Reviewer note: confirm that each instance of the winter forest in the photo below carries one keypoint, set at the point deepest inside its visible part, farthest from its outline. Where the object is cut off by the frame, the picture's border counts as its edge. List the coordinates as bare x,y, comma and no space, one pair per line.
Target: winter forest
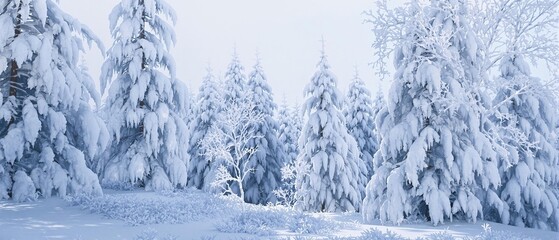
463,145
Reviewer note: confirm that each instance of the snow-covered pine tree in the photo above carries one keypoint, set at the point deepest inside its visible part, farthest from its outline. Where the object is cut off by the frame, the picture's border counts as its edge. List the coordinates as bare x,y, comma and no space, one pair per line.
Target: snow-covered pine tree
146,104
191,111
290,125
358,112
207,110
379,115
235,84
269,157
48,132
530,173
329,168
289,131
434,156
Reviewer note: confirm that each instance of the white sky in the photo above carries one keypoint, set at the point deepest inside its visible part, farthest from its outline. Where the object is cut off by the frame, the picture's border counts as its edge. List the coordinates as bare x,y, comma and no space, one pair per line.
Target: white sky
286,33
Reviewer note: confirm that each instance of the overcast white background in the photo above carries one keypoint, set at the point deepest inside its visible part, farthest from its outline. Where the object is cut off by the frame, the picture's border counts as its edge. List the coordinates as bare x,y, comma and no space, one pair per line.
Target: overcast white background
286,33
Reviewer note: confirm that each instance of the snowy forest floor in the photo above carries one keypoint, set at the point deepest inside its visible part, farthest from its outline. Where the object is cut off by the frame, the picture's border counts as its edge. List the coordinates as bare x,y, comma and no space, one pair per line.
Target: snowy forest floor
195,215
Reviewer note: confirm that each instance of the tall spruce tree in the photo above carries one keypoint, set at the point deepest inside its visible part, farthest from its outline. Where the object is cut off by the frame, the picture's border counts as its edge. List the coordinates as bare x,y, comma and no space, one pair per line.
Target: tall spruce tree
436,162
530,173
235,84
207,111
48,131
146,104
378,117
269,156
329,168
290,125
358,112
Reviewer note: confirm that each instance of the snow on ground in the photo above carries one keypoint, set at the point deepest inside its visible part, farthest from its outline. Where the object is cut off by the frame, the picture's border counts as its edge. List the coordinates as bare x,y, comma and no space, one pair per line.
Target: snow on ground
196,215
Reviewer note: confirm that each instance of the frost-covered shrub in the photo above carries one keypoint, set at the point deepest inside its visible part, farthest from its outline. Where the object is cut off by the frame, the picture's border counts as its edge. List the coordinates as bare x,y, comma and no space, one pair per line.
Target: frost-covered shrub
375,234
441,236
249,222
303,223
256,220
263,221
152,234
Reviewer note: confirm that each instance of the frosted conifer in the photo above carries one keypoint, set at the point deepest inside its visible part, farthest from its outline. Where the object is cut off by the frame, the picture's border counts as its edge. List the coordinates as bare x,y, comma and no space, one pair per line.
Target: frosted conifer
530,173
358,112
146,104
206,112
269,156
48,131
329,167
435,160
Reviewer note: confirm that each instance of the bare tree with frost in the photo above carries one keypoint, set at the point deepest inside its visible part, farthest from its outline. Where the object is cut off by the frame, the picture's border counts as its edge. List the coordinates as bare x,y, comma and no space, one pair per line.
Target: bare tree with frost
227,145
48,131
146,104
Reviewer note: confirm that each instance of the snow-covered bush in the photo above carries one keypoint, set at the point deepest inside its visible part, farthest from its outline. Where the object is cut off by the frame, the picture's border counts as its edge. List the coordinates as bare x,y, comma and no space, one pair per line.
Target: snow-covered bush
329,172
250,222
152,234
303,223
48,131
264,221
146,104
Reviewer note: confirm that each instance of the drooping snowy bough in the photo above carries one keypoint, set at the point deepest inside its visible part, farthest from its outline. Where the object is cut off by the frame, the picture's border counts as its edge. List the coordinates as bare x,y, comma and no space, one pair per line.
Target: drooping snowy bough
48,131
146,104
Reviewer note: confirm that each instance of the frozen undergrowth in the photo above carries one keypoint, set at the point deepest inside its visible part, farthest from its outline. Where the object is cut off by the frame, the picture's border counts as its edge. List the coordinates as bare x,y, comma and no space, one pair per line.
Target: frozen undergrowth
162,208
187,206
487,234
231,216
